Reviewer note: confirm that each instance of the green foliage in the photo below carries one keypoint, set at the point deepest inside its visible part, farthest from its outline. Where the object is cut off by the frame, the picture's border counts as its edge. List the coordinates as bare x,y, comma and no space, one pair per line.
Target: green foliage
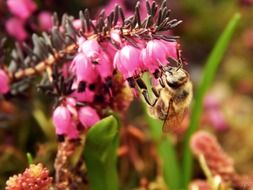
29,158
207,77
100,154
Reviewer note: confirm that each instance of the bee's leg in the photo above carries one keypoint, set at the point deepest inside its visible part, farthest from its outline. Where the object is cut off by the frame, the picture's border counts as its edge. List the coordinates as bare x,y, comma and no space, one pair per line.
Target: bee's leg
161,82
144,91
155,92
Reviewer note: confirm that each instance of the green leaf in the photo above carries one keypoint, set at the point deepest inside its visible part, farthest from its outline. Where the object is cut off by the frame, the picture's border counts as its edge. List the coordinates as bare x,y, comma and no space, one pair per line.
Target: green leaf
167,153
170,164
44,122
100,154
207,77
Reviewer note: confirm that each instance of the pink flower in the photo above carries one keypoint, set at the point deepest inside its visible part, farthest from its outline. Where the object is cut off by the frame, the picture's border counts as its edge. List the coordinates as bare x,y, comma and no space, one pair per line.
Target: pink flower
83,68
72,131
61,120
115,36
90,48
109,49
127,61
21,8
86,96
104,65
45,20
96,55
15,28
214,113
156,53
88,116
4,82
217,120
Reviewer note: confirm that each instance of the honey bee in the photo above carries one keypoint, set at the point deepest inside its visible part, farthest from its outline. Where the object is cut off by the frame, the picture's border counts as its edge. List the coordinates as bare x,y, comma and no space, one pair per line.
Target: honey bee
173,96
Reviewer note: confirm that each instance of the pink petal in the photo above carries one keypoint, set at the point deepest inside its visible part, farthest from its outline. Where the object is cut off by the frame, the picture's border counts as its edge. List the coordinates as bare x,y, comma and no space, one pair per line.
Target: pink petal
72,131
4,82
88,116
128,61
83,68
61,119
21,8
15,28
45,20
104,66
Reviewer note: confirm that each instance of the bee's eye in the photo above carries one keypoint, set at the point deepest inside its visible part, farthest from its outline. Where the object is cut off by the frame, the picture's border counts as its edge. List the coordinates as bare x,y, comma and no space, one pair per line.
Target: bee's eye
174,84
181,78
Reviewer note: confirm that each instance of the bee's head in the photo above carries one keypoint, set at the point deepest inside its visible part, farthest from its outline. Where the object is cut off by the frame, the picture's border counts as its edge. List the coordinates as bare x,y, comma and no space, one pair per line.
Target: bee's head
175,77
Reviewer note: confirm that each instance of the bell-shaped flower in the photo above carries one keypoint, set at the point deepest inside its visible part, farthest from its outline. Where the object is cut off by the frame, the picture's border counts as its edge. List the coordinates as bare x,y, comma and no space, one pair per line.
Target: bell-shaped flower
157,52
72,131
83,68
45,20
104,65
96,56
4,82
128,61
88,116
91,49
62,120
15,28
22,8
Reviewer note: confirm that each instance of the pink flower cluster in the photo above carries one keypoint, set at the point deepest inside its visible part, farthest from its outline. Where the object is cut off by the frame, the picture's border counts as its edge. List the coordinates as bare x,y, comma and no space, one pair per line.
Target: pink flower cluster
96,58
95,62
67,118
22,10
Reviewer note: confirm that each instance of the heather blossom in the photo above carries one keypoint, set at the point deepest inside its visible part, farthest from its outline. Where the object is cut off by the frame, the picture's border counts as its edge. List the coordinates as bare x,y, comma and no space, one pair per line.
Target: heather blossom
83,92
83,68
21,8
16,28
67,117
100,60
128,61
23,19
62,120
156,53
45,20
4,82
88,116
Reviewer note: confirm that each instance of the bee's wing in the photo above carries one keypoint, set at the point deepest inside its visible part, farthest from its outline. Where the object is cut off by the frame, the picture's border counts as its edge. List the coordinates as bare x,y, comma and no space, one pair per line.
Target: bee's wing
173,118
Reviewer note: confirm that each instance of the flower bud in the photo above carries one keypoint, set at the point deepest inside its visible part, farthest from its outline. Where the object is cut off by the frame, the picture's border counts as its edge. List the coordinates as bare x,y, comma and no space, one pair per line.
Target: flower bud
61,120
157,51
4,82
127,61
15,28
45,20
21,8
88,116
83,68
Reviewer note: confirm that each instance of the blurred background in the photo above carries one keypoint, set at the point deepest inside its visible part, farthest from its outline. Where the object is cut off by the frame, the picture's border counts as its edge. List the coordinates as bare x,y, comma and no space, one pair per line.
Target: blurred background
25,126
